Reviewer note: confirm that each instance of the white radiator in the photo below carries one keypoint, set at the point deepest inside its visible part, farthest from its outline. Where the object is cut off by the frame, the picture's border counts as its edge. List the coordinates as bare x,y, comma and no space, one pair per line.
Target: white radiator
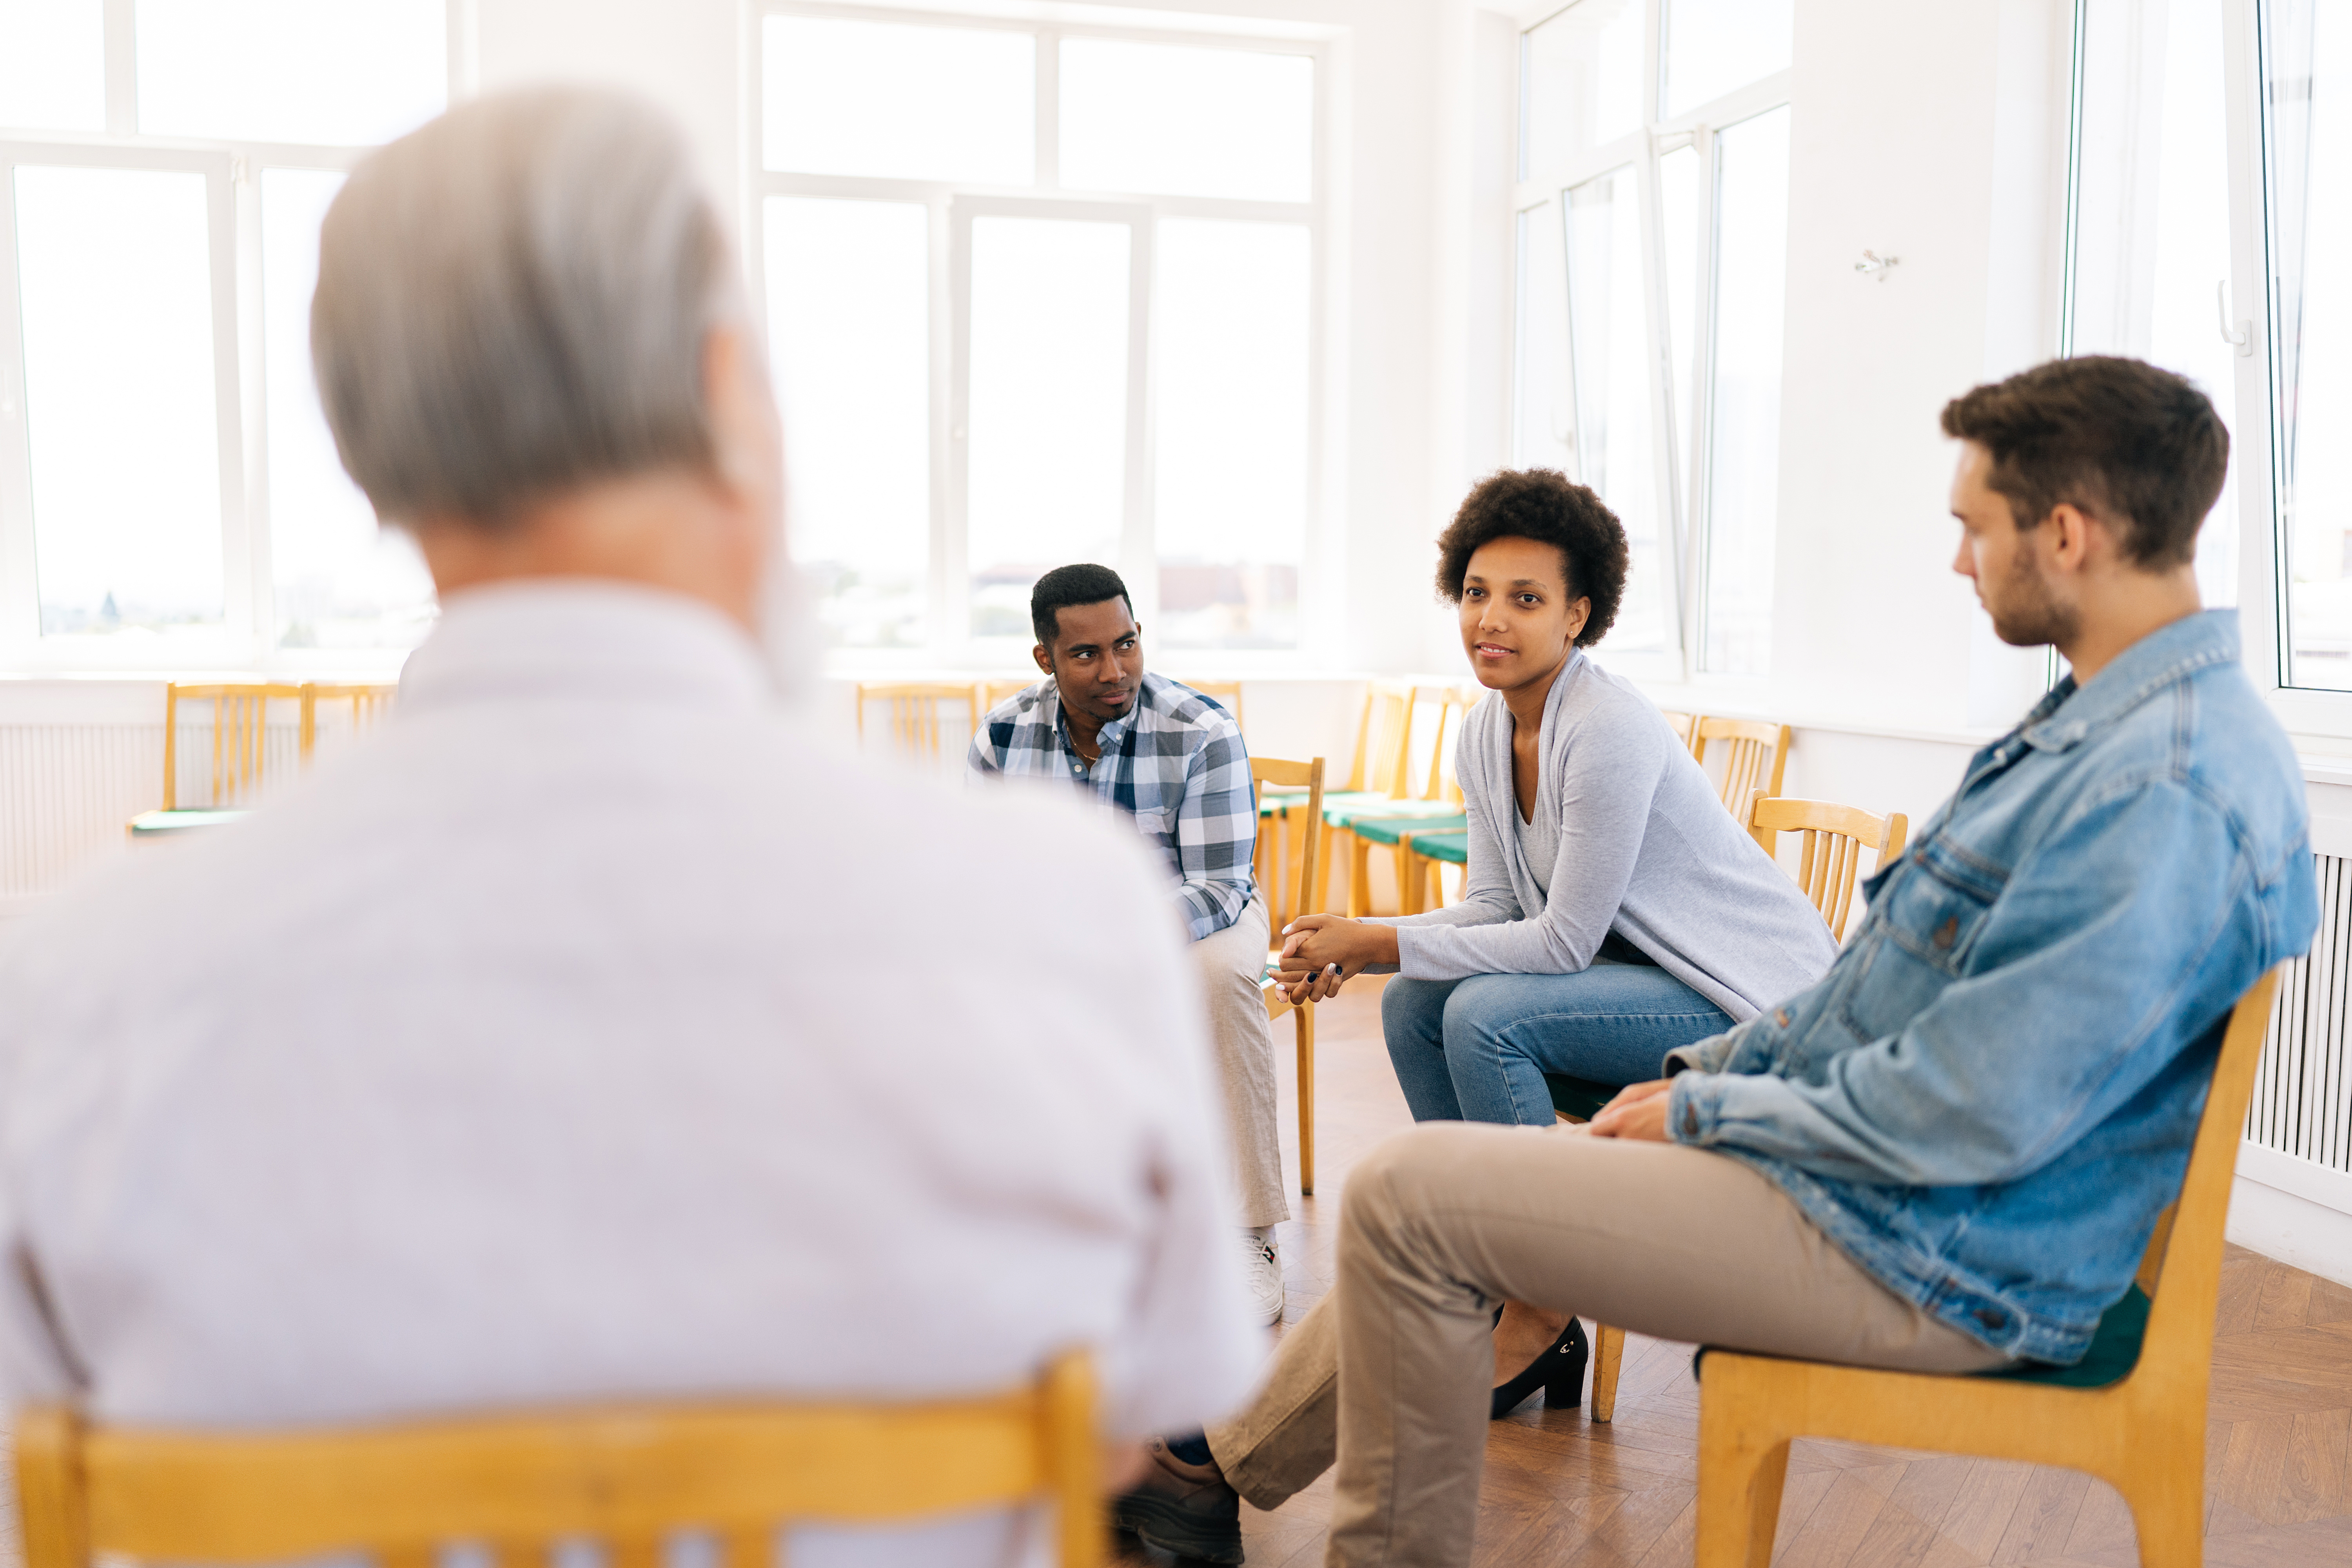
2301,1106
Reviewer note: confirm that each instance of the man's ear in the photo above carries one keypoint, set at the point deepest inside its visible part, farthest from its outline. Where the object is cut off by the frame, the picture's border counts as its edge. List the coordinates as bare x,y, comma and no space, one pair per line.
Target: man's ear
1044,662
2070,529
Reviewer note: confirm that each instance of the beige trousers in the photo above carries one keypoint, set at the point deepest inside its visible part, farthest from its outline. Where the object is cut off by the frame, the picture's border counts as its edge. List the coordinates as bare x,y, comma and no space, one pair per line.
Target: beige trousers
1232,963
1441,1222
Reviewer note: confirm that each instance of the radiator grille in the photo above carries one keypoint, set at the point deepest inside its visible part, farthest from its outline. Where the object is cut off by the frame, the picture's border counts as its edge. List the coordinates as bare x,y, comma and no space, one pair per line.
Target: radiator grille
2303,1091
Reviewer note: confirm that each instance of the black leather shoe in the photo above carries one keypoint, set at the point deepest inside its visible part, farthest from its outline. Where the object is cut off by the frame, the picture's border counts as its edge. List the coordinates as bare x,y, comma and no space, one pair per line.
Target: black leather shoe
1559,1372
1188,1510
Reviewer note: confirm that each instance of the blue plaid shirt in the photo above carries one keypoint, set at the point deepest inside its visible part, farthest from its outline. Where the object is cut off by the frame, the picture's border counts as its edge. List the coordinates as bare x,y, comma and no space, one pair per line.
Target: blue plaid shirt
1176,765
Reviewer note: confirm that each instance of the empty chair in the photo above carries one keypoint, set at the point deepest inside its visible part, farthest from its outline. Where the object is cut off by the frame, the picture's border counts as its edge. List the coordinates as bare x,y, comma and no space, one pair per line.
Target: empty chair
918,711
240,751
1684,725
1831,852
1756,753
367,700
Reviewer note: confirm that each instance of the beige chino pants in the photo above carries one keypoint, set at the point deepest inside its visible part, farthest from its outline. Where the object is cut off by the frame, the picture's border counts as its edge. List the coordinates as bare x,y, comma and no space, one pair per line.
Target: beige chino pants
1231,961
1441,1222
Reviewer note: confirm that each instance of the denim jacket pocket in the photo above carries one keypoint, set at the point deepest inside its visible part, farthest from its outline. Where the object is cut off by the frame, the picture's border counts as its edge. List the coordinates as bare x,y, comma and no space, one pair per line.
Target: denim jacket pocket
1930,914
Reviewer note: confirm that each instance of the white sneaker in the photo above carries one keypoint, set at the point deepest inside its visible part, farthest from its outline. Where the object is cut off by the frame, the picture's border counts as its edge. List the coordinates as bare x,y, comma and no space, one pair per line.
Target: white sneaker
1262,1270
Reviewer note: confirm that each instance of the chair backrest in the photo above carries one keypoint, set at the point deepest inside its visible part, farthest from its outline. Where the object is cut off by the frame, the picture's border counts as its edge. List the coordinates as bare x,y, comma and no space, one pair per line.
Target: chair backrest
1228,692
1757,754
916,708
627,1478
1683,725
1384,740
2181,1270
1267,771
240,735
1830,855
1452,708
369,700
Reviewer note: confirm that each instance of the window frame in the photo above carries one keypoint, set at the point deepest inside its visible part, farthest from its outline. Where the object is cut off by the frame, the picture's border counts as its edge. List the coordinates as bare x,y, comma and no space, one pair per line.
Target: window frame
950,205
1681,475
245,638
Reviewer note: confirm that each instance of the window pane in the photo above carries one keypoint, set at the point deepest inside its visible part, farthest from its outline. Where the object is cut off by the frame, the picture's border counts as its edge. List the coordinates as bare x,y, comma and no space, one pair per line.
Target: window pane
53,64
352,73
1716,45
1047,474
848,324
897,100
2151,231
1183,121
1543,421
342,581
1616,447
1752,264
1678,198
1579,83
115,269
1230,361
2308,100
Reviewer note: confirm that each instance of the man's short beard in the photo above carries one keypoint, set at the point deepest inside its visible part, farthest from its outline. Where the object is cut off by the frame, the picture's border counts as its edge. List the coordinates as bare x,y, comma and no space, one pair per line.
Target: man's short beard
2028,614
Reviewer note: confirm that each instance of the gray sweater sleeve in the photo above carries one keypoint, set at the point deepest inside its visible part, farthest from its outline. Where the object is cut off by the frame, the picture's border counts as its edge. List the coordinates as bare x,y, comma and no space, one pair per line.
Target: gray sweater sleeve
1606,784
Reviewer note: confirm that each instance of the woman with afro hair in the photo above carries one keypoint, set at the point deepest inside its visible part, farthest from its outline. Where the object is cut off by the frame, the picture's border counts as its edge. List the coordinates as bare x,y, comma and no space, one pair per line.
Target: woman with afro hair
1612,909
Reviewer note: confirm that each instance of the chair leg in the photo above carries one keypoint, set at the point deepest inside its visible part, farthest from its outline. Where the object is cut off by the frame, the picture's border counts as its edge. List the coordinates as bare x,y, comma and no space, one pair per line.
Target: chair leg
1322,868
1359,877
1305,1012
1608,1351
2166,1492
1740,1508
1408,885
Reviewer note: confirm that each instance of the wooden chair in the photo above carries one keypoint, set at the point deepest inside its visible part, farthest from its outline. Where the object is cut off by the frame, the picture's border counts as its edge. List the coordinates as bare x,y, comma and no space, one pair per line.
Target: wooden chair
1437,812
1835,836
1758,755
1383,740
1349,825
627,1476
1267,771
916,708
2132,1413
240,756
1421,853
1830,855
1684,725
369,700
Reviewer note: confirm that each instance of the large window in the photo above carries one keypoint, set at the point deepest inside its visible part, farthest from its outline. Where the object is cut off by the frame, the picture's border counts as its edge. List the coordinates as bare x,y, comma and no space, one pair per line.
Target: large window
1651,262
2210,140
169,493
1039,295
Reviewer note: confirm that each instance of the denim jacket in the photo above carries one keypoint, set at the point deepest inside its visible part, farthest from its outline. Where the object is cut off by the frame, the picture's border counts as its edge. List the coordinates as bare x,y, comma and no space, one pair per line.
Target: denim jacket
1991,1095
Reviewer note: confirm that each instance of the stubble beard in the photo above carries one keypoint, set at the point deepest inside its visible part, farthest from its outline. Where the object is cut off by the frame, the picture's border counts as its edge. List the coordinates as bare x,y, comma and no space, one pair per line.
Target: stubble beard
2028,615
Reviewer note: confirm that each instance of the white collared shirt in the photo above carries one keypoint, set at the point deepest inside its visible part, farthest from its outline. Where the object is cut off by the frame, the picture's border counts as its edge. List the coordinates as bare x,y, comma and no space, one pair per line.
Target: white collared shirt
588,1033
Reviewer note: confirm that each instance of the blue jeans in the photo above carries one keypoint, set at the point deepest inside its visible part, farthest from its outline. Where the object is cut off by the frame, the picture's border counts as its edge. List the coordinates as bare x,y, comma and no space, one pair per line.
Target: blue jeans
1477,1049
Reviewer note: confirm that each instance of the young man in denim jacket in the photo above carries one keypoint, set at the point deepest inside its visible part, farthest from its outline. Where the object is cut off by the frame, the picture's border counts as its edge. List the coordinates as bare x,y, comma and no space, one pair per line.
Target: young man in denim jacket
1949,1152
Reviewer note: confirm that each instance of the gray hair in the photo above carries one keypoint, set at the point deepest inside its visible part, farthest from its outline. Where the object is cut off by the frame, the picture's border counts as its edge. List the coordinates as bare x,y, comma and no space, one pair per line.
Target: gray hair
513,302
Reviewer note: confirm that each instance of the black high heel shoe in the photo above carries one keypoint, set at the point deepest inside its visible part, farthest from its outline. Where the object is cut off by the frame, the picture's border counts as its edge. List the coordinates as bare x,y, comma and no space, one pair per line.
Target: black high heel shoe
1559,1372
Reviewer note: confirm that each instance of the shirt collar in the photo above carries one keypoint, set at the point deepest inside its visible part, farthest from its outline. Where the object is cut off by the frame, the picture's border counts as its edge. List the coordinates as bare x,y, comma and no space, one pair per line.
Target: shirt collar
608,641
2164,657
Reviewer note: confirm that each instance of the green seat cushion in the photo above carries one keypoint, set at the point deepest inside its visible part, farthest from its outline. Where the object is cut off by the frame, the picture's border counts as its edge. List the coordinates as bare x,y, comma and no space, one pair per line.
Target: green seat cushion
2115,1349
1281,800
1388,830
1341,812
154,824
1577,1096
1453,848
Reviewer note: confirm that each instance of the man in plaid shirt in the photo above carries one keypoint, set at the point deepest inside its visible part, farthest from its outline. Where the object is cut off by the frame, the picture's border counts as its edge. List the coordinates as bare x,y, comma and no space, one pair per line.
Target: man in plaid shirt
1173,759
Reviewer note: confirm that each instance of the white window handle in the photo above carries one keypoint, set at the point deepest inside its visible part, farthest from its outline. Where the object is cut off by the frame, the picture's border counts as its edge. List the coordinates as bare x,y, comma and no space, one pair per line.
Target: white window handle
2242,340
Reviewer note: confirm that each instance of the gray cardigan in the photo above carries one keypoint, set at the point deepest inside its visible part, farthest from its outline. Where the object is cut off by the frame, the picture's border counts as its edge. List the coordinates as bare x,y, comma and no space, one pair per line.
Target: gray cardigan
1645,848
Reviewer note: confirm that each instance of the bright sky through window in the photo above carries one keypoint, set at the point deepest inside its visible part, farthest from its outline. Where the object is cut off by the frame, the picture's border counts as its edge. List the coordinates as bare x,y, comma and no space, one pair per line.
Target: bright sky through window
1166,120
53,64
900,101
346,74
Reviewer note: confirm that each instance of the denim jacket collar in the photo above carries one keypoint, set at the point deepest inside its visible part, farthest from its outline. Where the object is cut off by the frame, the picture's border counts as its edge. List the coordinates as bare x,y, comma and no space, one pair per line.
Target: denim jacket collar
2167,655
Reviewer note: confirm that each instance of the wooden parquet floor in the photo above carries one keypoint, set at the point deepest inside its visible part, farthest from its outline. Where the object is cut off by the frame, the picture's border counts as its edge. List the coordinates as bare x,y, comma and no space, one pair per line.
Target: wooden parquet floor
1562,1490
